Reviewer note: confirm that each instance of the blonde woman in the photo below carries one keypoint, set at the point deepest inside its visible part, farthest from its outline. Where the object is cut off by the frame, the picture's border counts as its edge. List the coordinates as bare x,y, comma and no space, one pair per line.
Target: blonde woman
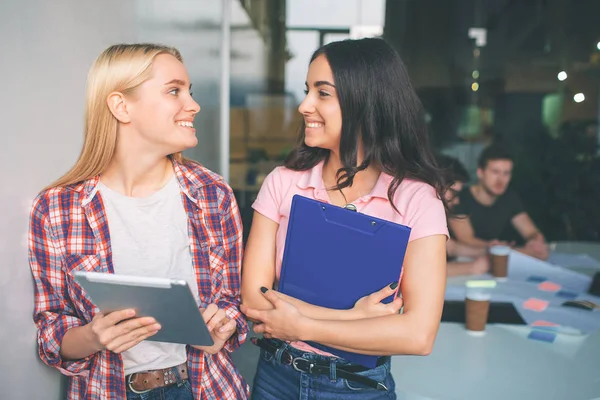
132,204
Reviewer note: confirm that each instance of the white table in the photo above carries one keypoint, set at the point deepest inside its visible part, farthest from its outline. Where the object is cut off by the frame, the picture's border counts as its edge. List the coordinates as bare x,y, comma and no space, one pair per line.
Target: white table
501,365
504,364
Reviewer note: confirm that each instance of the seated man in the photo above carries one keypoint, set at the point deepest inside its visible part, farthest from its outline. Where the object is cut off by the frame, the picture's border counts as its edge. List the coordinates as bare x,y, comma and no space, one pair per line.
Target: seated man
489,209
457,175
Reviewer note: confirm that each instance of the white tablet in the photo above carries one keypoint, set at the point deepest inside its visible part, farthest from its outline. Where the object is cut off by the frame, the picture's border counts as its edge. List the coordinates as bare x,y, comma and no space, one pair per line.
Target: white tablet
169,301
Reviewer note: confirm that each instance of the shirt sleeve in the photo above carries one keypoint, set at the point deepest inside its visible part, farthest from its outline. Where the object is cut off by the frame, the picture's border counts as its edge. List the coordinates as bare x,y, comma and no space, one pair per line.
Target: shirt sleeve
268,200
230,293
426,215
54,313
462,208
515,204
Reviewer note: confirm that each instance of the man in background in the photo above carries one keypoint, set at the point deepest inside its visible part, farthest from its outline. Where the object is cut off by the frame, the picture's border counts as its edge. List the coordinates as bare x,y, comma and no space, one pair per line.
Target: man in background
489,211
457,175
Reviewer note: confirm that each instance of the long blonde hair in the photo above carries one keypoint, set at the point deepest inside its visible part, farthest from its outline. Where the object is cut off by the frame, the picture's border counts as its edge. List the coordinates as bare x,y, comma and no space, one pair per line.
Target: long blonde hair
120,68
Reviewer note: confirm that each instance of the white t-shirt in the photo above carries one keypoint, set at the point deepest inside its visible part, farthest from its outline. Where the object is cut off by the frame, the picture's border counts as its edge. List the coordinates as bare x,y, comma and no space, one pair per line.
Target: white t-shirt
149,237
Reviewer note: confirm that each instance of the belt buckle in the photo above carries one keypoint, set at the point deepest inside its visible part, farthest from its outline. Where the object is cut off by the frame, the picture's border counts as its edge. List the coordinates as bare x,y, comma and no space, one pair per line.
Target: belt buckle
287,358
295,364
131,387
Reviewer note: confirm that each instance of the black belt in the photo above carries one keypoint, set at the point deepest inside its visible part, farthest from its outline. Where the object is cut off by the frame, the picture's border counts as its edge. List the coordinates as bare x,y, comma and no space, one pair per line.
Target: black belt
348,372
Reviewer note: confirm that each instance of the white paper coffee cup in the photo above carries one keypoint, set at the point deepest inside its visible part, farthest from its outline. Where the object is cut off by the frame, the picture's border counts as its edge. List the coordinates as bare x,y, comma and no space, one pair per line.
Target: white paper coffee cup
500,250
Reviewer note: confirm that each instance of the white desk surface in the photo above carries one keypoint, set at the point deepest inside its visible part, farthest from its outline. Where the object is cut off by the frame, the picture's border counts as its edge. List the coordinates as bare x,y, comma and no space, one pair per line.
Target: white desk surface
504,364
501,365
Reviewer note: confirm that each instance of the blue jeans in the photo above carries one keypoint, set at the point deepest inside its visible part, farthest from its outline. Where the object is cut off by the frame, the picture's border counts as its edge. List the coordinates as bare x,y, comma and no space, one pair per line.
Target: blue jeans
276,381
179,391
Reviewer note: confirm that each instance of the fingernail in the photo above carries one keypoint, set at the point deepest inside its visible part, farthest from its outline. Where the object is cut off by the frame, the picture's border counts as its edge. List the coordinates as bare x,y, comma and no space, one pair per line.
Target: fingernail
263,289
394,285
130,313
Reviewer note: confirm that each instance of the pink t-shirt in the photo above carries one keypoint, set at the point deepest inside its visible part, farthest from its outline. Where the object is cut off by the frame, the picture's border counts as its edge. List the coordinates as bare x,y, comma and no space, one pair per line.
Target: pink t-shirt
420,208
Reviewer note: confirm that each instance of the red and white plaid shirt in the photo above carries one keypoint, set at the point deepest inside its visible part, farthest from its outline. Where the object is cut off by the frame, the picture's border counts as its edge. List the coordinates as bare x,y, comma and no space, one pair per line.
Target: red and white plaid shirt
69,232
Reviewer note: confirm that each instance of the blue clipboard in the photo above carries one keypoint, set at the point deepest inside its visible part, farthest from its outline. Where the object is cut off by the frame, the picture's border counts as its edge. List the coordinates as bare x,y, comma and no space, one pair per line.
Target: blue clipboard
334,256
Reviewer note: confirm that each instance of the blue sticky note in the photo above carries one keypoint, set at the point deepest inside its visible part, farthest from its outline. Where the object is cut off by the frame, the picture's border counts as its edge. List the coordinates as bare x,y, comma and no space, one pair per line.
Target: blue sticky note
542,336
566,294
537,279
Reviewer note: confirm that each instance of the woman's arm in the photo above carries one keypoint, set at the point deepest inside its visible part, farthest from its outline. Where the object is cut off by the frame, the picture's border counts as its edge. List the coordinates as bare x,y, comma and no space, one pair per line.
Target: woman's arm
480,265
258,268
366,307
259,271
54,315
463,230
412,332
458,249
118,331
229,298
66,341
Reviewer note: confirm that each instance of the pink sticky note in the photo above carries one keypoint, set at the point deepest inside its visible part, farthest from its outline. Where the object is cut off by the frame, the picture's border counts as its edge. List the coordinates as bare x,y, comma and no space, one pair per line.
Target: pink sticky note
549,286
541,322
534,304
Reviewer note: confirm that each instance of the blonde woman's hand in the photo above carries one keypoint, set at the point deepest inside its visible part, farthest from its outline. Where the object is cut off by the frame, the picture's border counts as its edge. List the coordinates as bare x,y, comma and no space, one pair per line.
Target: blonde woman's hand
120,330
220,326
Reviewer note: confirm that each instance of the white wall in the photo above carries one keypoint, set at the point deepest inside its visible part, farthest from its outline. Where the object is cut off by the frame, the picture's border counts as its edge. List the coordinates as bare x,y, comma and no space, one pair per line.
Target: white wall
345,14
194,27
47,48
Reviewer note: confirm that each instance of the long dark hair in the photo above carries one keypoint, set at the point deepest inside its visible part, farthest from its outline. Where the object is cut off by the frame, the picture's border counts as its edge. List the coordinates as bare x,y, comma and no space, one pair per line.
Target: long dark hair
379,105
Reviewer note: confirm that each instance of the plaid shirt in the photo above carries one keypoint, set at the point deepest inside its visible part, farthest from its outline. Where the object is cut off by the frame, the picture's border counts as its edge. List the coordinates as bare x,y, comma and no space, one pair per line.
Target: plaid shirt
69,232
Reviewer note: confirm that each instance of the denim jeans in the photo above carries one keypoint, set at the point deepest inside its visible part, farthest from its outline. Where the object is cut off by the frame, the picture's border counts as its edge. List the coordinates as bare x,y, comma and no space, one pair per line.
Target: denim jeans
179,391
276,381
